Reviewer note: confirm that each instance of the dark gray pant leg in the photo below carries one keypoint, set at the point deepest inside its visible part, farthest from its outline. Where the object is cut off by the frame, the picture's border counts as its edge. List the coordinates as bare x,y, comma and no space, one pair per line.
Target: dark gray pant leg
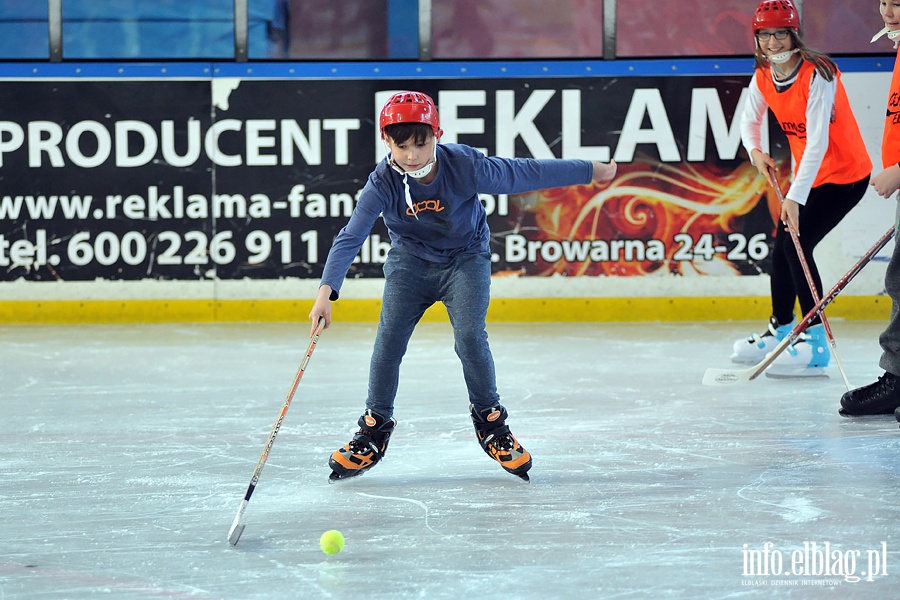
890,337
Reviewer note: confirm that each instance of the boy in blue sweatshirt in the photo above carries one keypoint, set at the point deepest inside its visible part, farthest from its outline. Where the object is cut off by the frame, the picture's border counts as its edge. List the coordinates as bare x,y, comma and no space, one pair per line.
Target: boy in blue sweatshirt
427,194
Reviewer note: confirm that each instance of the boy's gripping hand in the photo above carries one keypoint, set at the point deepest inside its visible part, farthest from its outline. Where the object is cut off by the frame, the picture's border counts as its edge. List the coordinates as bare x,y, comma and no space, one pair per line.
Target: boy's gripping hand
321,309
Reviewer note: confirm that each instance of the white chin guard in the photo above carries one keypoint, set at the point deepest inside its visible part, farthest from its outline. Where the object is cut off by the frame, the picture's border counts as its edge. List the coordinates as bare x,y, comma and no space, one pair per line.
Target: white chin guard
892,35
782,57
419,174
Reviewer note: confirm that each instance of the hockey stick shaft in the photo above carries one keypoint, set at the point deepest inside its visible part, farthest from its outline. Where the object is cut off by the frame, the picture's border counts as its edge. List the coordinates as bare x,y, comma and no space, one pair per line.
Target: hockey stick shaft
795,237
237,528
714,376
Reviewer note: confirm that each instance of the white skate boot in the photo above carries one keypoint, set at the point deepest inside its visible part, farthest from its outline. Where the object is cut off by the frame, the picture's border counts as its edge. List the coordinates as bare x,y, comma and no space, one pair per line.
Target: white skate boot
752,350
807,357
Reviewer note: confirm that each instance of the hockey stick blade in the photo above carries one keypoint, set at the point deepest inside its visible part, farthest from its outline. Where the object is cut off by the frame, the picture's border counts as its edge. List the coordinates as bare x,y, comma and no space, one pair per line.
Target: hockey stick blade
714,376
720,377
235,534
237,528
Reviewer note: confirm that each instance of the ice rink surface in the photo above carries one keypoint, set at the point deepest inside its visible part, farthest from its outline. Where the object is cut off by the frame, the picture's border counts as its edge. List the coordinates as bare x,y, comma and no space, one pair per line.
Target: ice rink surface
126,450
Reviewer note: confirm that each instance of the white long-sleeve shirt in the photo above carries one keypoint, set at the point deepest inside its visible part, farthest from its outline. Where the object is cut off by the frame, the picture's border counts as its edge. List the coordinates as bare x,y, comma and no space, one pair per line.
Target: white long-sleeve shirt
819,110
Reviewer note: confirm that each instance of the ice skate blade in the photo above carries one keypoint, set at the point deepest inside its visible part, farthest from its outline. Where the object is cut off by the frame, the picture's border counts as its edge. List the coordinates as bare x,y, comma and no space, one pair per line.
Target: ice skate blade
743,360
880,413
847,415
335,477
805,373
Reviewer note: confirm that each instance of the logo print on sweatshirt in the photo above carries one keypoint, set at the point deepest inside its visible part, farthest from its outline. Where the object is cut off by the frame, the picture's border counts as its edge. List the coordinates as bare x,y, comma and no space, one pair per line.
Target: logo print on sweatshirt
796,129
425,206
893,103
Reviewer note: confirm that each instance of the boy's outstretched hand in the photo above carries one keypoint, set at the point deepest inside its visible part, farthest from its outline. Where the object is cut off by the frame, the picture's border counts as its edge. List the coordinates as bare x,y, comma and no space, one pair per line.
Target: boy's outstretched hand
604,171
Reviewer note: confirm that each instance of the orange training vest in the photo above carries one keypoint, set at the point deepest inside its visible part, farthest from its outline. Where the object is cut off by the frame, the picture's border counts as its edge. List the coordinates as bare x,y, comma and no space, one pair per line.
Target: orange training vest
847,159
890,140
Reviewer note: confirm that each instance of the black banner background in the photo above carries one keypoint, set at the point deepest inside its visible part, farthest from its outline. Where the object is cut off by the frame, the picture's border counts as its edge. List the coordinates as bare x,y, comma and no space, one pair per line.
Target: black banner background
269,233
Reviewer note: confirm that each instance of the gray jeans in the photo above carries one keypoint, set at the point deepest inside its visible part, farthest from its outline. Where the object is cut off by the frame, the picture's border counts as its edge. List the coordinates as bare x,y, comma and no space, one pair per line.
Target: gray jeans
411,286
890,337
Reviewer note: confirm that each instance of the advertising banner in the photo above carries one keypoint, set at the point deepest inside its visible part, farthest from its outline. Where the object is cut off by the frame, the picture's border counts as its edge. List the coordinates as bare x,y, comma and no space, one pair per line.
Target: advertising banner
233,179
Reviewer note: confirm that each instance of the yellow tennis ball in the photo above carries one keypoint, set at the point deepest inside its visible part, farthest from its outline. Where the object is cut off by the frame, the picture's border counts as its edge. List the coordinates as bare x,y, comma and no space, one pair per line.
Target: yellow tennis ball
332,541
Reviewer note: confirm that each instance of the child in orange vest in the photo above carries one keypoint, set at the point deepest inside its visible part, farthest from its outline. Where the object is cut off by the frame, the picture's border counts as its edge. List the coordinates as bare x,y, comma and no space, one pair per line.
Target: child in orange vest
803,89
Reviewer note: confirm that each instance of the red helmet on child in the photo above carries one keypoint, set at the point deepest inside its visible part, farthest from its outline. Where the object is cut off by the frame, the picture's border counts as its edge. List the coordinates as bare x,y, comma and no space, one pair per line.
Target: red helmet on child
410,107
772,14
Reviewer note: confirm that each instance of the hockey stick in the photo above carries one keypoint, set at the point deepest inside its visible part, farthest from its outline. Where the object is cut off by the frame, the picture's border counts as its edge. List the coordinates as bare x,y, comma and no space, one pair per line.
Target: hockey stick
795,237
237,528
714,376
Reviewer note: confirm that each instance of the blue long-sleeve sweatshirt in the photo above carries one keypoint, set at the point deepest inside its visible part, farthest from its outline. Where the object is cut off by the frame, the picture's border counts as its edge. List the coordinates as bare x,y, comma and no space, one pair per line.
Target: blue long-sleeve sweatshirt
449,218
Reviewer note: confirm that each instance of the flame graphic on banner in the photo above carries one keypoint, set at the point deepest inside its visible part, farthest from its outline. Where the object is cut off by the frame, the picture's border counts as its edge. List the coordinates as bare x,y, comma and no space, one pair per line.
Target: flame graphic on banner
647,203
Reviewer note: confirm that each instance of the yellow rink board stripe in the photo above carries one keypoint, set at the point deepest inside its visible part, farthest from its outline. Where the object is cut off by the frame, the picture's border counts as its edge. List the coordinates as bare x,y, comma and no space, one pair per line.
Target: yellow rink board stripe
501,310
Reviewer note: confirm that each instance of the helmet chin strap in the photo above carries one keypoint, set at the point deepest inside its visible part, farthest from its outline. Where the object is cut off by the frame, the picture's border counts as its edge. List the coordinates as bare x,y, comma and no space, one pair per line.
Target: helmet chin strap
892,35
418,174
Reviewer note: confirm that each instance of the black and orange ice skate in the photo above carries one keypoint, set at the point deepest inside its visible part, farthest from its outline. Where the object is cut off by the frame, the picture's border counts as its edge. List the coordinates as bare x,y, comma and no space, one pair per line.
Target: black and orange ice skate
365,450
497,441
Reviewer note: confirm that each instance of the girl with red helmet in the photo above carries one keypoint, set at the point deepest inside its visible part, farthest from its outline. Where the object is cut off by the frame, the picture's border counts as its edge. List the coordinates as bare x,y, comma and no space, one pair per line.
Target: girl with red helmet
831,169
427,195
883,396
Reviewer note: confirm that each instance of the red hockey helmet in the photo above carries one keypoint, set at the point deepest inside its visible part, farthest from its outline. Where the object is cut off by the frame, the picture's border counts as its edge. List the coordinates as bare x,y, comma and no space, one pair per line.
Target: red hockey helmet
410,107
771,14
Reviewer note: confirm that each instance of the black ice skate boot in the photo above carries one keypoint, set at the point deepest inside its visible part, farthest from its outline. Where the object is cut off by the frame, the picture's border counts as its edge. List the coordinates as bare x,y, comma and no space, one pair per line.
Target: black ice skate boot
365,449
497,441
879,398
